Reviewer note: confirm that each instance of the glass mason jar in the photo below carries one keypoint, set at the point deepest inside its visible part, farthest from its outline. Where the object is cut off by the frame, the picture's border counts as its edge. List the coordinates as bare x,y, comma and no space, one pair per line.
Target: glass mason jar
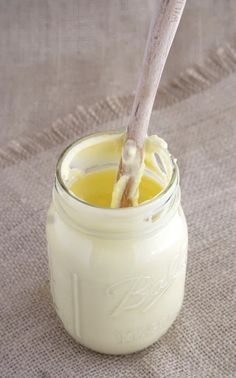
117,275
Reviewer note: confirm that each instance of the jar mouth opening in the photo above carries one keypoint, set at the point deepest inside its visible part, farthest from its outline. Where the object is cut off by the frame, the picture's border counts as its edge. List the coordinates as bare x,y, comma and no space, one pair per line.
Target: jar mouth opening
160,198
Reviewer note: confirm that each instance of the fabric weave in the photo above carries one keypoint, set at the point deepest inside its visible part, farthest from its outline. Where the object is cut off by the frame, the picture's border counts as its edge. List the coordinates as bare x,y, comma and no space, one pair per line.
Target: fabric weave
201,133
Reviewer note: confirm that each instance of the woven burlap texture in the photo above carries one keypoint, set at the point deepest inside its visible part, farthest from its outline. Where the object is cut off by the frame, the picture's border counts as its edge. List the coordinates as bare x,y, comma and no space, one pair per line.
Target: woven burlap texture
197,117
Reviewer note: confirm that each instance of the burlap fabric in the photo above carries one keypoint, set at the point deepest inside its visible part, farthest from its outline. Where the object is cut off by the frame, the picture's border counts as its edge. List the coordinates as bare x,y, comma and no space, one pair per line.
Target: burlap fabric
197,117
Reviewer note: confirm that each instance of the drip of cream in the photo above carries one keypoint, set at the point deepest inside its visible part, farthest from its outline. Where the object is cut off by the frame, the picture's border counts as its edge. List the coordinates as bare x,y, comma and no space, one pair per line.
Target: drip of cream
154,146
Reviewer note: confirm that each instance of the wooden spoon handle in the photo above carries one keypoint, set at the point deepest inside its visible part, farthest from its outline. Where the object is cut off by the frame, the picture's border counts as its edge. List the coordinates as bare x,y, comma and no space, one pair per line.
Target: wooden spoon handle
161,34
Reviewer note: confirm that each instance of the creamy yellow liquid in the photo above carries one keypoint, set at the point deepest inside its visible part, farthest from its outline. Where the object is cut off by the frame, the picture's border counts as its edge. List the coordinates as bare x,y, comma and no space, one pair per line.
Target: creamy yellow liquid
96,188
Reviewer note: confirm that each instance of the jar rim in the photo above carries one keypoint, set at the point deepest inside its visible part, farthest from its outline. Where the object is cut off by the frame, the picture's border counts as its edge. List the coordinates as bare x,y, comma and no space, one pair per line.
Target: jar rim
159,198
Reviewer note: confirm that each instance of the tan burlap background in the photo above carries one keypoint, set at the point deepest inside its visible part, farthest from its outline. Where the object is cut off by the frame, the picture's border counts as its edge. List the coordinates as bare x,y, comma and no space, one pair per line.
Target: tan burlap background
197,117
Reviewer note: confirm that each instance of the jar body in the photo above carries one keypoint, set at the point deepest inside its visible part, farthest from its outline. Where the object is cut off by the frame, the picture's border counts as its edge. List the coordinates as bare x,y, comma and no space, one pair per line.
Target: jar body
117,295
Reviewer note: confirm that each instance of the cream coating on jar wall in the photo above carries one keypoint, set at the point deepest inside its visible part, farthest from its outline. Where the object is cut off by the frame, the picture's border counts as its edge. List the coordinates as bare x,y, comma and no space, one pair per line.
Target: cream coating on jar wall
117,275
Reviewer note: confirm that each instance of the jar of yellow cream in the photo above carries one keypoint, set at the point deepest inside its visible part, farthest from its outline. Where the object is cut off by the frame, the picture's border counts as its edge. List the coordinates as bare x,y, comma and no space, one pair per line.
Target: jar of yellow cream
117,274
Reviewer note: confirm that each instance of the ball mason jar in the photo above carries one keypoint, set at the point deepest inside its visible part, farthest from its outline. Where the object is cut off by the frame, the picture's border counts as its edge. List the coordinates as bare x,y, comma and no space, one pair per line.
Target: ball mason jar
117,276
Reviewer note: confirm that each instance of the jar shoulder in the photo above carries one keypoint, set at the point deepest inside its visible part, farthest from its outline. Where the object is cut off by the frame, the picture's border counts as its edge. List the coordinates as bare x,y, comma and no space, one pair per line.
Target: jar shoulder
74,247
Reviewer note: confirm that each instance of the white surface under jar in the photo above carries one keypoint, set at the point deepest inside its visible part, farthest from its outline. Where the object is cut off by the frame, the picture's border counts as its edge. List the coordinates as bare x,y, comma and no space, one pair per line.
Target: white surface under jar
117,275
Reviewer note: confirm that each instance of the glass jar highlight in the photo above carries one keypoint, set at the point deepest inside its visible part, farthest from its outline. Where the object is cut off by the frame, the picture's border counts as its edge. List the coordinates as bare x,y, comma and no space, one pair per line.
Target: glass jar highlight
117,275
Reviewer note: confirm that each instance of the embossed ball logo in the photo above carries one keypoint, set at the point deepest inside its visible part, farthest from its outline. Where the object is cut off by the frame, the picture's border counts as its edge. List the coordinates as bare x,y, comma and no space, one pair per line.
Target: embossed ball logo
143,292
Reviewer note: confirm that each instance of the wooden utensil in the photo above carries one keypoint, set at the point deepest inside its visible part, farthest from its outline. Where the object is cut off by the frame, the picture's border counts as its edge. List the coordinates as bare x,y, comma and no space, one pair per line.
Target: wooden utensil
161,34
